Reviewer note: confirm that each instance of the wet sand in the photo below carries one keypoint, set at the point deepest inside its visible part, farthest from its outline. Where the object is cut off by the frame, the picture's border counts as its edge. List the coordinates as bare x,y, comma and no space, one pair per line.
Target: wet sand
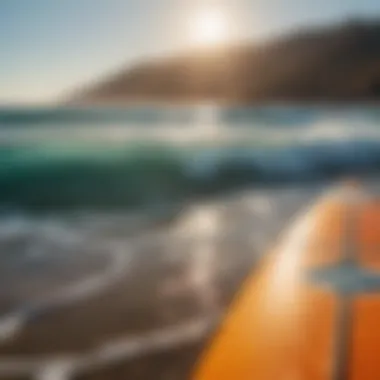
171,364
179,273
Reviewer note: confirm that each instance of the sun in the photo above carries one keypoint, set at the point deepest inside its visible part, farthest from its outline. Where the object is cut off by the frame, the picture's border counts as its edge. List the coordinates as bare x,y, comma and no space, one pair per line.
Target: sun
209,27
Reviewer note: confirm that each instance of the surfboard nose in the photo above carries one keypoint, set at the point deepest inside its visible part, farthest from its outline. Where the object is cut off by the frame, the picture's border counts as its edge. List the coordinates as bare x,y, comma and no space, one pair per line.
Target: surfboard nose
309,311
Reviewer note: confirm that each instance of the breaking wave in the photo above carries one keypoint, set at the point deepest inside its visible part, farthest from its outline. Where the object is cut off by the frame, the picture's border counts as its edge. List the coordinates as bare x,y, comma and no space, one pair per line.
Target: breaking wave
160,174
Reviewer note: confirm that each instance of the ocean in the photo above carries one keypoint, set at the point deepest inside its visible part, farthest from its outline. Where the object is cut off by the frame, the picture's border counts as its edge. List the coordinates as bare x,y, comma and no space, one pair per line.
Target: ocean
149,218
123,159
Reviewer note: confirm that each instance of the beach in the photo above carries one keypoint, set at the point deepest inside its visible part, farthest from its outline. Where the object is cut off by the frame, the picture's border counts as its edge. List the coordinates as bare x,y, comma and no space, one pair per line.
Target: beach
125,234
152,316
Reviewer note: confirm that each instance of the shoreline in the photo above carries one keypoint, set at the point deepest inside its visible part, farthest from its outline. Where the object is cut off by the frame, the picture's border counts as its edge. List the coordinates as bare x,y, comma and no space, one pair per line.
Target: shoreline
157,320
189,275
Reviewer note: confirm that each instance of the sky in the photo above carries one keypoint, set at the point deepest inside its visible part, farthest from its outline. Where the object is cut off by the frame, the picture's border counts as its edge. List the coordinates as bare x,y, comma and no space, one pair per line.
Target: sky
50,47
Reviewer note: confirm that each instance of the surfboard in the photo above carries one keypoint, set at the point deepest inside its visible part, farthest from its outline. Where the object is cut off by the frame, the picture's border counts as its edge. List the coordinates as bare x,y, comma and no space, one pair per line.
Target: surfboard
311,311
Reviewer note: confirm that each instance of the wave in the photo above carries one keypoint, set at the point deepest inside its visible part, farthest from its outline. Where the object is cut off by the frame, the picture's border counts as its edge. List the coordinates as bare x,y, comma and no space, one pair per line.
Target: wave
153,176
110,161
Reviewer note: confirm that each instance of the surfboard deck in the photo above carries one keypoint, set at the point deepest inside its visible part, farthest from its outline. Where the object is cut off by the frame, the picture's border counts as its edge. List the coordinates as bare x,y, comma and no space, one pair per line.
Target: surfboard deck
312,309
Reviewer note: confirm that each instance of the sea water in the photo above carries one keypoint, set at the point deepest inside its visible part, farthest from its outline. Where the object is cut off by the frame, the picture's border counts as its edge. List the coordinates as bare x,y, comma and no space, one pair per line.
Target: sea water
67,174
123,159
82,191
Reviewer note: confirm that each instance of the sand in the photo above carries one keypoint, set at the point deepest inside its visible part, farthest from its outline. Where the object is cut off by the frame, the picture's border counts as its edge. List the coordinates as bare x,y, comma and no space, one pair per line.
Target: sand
180,279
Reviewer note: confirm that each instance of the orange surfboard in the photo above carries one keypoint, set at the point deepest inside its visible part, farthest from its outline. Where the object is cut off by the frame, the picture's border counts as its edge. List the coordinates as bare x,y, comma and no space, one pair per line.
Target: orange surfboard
312,310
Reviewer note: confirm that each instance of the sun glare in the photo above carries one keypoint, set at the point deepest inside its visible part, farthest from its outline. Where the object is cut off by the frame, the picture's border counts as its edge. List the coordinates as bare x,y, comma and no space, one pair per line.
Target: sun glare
209,27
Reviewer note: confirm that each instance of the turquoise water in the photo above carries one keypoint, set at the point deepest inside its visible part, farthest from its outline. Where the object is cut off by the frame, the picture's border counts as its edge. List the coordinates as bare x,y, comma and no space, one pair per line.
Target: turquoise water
115,159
